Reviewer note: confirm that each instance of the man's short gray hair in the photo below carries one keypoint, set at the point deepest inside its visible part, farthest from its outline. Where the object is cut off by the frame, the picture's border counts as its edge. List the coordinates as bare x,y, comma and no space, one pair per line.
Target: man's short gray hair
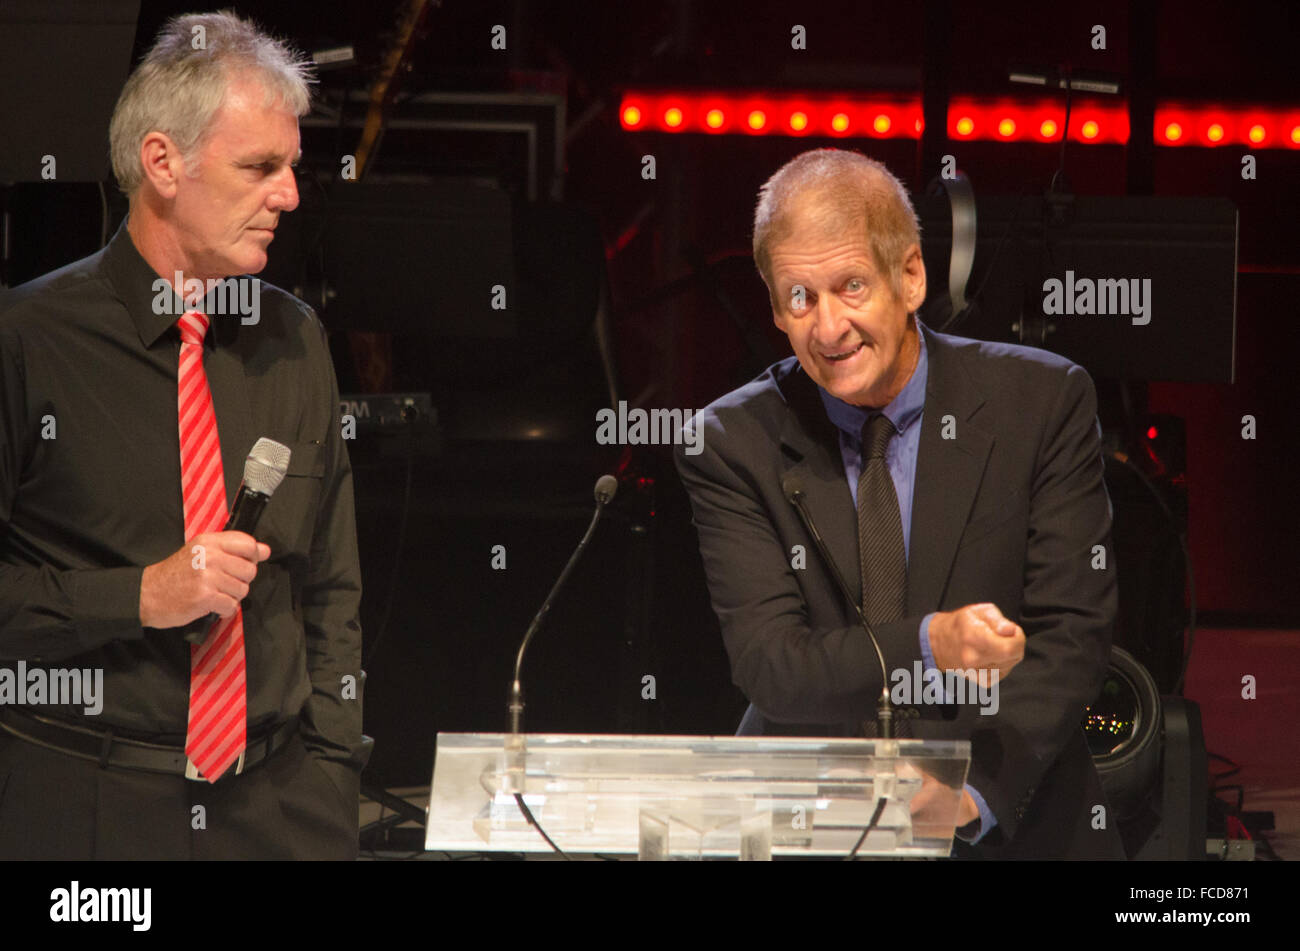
181,82
837,191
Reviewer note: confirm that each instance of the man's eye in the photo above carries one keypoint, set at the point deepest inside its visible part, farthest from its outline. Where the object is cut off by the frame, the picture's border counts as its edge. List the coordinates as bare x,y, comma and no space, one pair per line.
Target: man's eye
855,285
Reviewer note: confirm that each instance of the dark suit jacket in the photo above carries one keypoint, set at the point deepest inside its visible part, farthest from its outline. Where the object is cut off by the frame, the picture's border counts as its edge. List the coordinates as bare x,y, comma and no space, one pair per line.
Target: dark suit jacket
1008,510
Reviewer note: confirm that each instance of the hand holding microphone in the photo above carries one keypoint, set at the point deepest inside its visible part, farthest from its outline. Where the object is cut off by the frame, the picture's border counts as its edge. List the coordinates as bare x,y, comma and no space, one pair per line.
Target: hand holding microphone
173,592
177,590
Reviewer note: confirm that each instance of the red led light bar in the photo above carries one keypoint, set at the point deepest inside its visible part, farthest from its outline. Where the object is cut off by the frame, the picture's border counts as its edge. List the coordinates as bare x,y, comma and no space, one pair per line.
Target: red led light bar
1210,126
757,114
1008,120
832,115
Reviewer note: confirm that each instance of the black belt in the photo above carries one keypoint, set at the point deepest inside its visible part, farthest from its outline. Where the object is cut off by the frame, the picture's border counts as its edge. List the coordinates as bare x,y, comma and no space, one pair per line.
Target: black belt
104,748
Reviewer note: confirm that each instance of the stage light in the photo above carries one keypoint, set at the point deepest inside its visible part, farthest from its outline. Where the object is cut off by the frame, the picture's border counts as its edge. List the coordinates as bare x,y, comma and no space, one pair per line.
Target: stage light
1007,128
1152,432
757,119
965,125
881,124
799,121
1256,134
839,122
714,118
1214,133
1048,129
631,116
1295,135
1090,129
1122,728
1173,132
673,117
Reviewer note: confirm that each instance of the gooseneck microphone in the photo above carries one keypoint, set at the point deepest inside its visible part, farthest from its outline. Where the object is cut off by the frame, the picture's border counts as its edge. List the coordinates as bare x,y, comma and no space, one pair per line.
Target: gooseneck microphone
264,470
792,488
606,487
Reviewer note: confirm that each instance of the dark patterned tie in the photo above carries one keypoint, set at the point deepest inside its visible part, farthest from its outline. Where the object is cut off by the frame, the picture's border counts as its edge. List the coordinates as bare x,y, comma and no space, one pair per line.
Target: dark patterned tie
881,554
880,528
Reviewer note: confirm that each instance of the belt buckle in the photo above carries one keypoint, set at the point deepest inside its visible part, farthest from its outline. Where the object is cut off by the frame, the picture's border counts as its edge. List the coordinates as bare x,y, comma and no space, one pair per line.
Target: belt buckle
192,772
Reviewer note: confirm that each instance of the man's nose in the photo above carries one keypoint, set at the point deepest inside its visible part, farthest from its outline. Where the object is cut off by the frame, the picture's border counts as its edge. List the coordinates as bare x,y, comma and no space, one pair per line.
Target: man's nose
831,319
285,196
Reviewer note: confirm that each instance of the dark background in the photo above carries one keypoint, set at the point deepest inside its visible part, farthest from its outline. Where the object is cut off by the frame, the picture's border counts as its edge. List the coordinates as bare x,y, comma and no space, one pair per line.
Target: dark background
513,459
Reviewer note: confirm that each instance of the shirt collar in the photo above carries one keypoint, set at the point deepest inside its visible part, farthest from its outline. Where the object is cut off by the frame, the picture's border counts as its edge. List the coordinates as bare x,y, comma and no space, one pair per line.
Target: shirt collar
902,410
153,308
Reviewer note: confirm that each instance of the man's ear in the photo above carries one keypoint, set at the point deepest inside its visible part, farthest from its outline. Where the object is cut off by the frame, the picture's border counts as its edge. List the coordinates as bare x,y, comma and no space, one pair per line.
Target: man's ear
913,278
162,163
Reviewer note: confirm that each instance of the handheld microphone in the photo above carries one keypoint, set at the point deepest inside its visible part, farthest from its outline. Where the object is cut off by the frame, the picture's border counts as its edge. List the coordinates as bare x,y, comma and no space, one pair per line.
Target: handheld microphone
264,470
792,488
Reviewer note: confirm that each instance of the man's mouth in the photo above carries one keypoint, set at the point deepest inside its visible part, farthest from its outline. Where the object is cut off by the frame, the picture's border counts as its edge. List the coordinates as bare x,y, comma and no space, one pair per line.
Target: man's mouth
841,355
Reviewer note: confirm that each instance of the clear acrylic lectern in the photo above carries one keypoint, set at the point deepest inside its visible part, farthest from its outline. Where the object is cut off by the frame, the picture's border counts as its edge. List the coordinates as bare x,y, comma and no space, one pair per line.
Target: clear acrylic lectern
678,797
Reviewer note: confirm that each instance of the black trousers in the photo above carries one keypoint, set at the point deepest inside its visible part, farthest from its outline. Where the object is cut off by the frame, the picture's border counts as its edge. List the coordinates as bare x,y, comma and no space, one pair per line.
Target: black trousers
59,807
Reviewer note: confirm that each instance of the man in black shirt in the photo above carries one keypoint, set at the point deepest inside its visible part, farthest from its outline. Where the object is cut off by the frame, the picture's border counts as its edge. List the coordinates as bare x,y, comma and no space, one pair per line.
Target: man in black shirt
96,570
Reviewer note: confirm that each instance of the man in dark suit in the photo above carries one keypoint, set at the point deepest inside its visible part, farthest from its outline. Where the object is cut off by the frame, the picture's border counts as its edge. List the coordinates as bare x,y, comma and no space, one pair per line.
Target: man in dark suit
976,473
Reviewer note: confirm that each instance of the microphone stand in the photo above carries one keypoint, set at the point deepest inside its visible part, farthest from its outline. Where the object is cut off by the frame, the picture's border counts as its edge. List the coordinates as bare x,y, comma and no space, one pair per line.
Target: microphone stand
514,778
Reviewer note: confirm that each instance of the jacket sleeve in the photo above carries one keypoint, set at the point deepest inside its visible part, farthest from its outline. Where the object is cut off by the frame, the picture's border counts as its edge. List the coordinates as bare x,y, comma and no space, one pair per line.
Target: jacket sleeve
1068,610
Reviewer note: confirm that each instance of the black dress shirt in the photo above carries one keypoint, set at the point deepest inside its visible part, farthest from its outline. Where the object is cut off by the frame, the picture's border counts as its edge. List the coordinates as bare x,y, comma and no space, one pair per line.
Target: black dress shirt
90,493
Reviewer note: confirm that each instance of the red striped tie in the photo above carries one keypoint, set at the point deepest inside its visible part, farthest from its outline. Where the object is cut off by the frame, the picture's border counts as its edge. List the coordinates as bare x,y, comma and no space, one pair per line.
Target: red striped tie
217,721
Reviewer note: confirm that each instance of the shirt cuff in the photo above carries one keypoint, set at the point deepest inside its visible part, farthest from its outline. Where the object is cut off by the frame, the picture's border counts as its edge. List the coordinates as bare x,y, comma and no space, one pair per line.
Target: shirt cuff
106,605
927,656
987,821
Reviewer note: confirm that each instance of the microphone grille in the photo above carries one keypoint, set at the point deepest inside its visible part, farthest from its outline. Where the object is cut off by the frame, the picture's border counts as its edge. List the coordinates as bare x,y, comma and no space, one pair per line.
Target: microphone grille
266,465
606,487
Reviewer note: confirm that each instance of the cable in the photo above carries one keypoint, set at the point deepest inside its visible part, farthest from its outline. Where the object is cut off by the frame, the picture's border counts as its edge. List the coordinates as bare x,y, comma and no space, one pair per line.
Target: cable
523,807
1065,137
875,818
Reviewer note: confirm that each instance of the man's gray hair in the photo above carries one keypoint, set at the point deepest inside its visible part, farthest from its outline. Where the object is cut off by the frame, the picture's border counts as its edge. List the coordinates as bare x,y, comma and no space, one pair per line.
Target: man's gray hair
837,192
181,82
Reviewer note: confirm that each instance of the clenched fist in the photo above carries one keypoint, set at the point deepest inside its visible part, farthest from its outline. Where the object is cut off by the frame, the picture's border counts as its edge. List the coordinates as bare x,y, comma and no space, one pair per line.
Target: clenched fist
190,584
977,637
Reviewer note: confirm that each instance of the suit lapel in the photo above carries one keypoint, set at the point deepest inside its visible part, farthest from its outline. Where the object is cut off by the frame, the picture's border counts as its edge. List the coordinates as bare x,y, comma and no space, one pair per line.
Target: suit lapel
810,449
948,472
